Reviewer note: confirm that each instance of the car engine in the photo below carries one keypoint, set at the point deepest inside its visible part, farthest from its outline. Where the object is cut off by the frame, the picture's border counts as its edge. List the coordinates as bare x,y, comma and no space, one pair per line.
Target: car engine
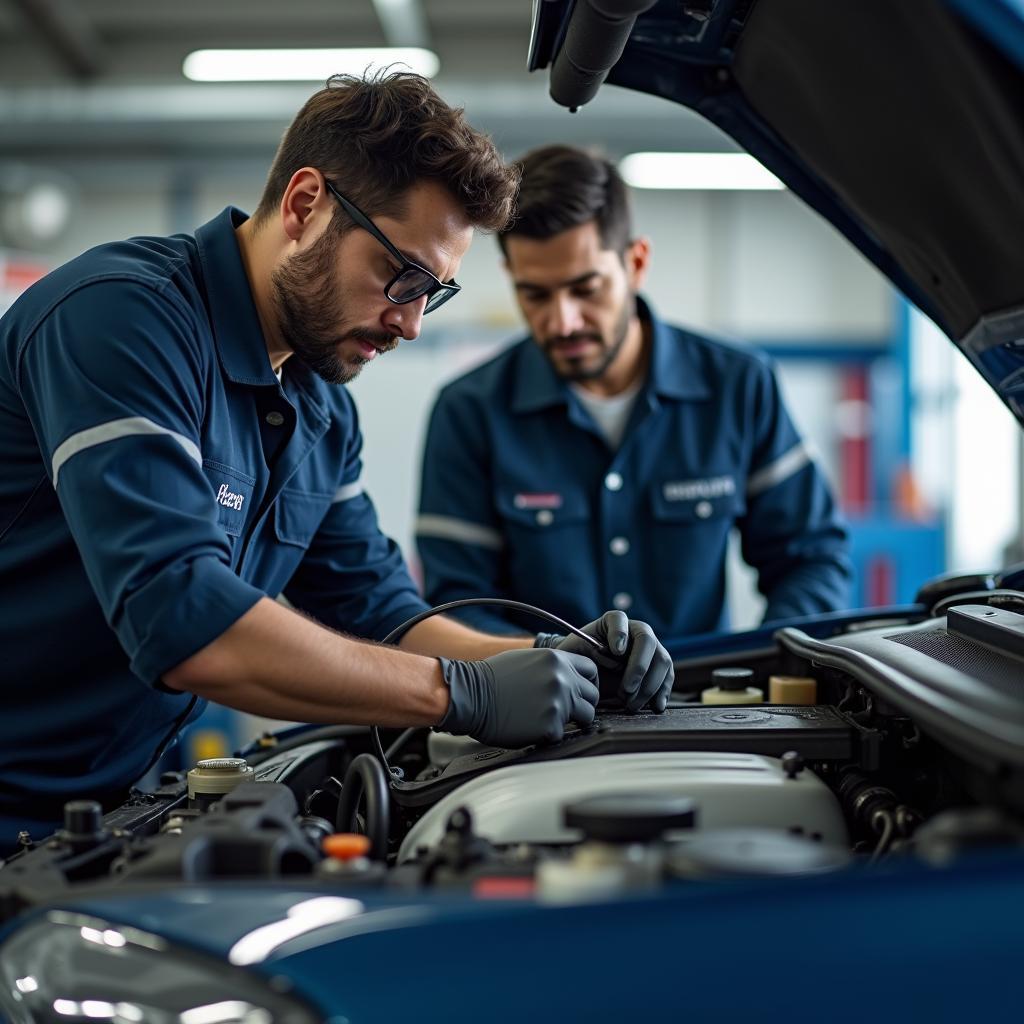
912,746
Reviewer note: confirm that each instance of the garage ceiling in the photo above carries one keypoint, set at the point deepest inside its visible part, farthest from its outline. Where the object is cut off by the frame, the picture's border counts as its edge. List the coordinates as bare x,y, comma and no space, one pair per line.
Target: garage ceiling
103,77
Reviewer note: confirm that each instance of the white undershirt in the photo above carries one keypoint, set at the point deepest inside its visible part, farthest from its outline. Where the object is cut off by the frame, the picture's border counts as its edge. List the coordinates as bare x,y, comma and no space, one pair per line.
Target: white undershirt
610,414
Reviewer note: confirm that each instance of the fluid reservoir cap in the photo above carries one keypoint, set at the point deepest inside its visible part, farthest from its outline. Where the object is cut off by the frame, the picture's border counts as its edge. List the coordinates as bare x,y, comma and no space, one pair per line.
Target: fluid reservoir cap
346,846
222,764
630,817
732,678
214,776
83,818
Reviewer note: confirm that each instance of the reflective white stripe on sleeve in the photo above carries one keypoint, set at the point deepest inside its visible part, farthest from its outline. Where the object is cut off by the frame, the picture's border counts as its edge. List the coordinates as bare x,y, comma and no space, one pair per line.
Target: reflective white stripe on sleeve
130,426
347,491
781,469
450,528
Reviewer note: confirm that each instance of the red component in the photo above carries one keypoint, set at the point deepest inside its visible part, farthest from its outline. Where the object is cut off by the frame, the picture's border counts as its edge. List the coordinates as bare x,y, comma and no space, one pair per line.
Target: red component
855,446
880,582
16,276
504,888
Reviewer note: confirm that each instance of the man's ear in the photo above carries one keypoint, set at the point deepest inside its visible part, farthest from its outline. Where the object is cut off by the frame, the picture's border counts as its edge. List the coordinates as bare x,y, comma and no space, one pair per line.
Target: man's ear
304,198
637,259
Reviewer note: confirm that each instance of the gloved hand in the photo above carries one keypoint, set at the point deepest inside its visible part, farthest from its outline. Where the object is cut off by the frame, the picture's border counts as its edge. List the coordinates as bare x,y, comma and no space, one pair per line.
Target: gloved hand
638,674
519,697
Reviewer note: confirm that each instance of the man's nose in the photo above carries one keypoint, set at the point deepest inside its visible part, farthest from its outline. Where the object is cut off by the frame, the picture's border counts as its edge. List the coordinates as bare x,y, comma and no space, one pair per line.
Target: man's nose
405,320
564,316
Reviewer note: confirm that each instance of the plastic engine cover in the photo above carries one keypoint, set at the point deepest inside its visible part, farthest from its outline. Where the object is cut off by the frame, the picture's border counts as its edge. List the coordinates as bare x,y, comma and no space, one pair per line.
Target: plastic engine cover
523,803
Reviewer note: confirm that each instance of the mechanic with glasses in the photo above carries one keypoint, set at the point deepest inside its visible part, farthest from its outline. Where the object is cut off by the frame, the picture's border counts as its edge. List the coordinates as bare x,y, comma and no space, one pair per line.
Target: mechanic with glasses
178,450
605,459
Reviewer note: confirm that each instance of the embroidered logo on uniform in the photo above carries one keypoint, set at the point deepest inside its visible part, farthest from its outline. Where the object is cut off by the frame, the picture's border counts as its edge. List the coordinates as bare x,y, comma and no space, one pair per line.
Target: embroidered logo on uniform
229,499
537,501
690,490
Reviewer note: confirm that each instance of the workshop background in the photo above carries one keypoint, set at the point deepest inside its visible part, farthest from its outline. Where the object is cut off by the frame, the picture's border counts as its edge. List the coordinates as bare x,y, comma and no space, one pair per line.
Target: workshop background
102,136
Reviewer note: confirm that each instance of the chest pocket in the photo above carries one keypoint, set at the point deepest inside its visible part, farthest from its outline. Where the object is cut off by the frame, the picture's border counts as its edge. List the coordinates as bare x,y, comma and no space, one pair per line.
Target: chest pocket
691,502
298,515
232,491
542,513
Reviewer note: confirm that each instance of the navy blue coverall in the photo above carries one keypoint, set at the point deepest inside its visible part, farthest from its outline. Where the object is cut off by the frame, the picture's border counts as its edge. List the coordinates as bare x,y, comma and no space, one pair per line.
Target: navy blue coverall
157,481
521,496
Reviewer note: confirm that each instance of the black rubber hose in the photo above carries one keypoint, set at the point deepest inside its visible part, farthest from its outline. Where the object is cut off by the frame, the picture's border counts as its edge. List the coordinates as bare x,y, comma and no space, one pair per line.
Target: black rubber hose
365,775
594,41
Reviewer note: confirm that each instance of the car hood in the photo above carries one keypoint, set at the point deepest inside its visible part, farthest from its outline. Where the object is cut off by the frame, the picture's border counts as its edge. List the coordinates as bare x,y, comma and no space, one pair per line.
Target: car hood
901,123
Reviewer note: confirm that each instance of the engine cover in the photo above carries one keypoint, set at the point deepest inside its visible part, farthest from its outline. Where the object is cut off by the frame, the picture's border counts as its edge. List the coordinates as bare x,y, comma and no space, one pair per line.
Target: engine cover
524,803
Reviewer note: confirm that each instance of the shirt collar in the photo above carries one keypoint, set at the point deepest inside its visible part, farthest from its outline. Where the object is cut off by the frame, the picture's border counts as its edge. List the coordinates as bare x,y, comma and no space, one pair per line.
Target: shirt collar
675,371
236,325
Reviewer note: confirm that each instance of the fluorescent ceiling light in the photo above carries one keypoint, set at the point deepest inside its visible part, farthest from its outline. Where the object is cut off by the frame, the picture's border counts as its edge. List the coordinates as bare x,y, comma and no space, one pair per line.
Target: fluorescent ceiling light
303,65
736,171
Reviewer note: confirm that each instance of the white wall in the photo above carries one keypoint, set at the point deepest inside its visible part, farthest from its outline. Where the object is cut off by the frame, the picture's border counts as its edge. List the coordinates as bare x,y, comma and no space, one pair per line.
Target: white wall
966,453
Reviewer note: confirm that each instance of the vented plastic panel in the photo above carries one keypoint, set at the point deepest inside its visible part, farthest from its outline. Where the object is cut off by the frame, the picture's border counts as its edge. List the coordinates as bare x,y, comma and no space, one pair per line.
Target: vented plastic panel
1000,671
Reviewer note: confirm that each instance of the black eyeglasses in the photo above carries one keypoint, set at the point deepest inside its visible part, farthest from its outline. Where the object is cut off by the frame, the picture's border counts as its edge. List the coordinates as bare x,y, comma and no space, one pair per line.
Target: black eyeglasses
412,280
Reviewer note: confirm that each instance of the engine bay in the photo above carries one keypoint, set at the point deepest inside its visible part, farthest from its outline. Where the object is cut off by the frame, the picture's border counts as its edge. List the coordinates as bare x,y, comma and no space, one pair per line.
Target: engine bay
912,748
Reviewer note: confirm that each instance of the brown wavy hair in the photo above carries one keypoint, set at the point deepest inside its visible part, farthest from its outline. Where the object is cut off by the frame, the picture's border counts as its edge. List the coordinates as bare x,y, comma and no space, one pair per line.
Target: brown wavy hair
376,136
563,187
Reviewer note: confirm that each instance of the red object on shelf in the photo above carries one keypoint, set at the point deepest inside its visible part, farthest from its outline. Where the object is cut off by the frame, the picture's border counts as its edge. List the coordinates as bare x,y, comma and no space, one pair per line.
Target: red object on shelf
880,582
855,492
17,274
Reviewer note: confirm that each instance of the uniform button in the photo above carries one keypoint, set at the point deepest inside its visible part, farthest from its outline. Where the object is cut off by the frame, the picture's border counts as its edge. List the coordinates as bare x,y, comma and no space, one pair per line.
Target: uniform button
613,481
622,601
275,419
703,509
619,546
545,517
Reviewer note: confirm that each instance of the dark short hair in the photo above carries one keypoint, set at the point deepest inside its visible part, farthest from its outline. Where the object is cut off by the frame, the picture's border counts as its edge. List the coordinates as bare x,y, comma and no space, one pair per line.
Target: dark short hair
563,187
376,136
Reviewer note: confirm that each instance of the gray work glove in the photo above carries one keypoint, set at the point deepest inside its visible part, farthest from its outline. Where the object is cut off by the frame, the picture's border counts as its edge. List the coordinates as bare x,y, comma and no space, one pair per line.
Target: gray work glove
639,674
519,697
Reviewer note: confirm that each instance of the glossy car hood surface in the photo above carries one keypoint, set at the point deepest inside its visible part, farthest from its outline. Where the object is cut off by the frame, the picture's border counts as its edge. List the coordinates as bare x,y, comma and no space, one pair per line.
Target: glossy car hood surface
902,123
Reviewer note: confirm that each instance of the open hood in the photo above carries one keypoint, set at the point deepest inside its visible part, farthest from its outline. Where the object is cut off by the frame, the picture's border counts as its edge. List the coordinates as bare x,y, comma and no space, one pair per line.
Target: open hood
901,122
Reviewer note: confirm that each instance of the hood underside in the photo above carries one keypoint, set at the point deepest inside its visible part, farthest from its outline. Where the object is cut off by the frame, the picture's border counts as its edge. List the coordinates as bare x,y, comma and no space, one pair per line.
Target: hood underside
901,122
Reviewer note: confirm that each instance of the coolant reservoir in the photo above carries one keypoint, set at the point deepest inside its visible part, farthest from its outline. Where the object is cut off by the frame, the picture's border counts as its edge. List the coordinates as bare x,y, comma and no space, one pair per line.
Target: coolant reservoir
732,686
214,776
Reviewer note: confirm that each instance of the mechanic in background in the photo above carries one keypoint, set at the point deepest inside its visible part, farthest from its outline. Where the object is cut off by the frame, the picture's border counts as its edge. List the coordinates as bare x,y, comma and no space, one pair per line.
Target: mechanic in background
177,450
606,458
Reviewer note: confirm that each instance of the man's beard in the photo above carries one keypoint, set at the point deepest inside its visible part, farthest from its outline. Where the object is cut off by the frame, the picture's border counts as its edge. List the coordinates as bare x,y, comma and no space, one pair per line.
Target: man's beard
610,350
310,314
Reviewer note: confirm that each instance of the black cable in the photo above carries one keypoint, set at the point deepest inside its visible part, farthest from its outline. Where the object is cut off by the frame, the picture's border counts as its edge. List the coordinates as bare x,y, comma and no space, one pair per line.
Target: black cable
503,602
366,776
395,747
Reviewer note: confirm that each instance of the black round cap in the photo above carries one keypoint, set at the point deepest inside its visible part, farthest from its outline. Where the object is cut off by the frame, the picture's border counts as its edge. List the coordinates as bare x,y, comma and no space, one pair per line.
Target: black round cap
630,817
83,818
732,678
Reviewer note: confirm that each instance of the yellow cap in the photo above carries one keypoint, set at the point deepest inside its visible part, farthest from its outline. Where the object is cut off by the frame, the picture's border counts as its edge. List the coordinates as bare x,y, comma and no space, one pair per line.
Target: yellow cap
792,690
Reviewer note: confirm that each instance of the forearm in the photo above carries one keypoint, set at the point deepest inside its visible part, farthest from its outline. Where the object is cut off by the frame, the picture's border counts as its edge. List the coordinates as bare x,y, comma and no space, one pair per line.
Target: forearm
440,636
280,664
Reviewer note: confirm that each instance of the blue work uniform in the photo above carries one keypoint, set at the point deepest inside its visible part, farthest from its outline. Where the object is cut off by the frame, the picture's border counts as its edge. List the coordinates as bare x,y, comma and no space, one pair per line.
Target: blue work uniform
158,480
523,498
